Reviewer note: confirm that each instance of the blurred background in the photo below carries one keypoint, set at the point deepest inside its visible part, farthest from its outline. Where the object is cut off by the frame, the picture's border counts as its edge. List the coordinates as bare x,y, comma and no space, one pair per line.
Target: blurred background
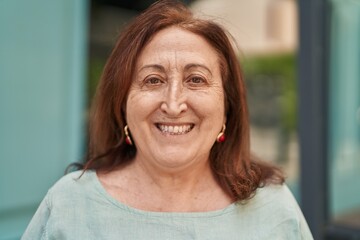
301,64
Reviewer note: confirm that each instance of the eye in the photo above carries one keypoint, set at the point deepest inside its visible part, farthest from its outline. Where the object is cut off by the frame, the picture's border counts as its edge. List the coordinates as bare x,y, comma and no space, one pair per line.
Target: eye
153,81
196,80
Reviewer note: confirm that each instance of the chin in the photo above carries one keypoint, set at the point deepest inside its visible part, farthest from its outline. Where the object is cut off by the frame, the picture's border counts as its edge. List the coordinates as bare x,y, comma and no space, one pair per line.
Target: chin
177,160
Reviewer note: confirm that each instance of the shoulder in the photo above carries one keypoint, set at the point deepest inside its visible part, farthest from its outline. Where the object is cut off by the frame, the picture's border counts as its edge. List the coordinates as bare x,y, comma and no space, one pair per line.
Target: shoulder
60,206
276,194
74,179
272,204
276,199
70,197
277,211
72,185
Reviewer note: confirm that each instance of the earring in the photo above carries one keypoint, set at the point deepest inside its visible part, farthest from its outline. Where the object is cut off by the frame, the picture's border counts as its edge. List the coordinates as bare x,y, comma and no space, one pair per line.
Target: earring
127,138
221,137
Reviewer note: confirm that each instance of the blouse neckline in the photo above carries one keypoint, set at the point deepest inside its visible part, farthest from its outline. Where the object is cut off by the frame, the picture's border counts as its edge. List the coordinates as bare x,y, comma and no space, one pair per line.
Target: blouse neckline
214,213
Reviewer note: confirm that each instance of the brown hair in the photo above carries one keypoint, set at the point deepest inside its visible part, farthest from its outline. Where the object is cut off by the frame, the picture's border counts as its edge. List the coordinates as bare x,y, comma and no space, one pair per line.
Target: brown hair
237,172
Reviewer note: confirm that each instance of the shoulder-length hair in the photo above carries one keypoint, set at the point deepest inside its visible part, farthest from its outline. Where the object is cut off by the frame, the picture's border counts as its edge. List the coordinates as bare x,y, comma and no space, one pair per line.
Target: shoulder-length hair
237,172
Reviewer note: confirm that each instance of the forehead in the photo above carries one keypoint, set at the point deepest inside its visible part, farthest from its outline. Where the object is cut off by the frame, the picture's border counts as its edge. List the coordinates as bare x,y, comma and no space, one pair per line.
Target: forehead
175,43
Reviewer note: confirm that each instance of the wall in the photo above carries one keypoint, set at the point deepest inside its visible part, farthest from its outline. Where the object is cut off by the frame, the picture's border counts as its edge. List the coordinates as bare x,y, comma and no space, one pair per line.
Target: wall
42,66
259,27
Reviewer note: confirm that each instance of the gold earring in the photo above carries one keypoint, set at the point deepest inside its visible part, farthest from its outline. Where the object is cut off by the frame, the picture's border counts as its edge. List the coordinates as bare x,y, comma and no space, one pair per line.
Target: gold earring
127,137
221,137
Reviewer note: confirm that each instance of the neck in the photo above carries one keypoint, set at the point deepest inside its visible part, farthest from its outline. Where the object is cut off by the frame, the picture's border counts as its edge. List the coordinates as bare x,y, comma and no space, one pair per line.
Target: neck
189,189
178,179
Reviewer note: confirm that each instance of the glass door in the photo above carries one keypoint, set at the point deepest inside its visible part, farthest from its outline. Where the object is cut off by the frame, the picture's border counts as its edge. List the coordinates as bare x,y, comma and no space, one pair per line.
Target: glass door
344,114
329,89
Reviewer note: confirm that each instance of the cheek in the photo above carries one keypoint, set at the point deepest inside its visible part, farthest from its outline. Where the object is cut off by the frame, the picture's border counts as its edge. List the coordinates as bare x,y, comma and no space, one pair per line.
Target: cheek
139,105
210,104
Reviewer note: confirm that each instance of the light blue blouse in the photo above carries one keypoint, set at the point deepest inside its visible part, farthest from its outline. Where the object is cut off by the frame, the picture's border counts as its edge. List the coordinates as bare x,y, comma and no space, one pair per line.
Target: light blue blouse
80,208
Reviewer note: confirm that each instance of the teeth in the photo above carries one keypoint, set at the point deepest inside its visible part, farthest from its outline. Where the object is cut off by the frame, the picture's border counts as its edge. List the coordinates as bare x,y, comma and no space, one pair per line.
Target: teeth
175,130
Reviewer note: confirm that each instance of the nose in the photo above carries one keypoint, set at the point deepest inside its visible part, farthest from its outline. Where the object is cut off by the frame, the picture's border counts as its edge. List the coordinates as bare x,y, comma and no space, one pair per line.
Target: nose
174,102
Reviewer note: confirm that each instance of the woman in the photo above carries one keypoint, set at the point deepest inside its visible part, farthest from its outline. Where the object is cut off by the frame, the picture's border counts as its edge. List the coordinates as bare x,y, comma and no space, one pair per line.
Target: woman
169,150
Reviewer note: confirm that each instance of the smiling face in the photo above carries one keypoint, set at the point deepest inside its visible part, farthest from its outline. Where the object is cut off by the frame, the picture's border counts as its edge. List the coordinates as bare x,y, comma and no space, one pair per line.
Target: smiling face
175,107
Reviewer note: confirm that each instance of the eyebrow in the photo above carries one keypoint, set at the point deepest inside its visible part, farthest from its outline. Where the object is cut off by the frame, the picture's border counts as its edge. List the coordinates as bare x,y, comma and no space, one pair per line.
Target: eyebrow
153,66
196,65
187,67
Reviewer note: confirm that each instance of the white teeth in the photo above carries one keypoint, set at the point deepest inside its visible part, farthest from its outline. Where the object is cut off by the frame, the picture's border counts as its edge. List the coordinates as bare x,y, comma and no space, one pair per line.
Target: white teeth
175,130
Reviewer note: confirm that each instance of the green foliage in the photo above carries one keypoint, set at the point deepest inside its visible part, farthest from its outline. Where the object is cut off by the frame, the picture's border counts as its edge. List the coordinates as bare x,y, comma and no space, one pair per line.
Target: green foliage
282,69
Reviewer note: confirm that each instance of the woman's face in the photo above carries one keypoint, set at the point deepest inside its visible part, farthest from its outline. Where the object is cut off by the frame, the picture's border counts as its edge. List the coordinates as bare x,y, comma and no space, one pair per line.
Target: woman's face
175,107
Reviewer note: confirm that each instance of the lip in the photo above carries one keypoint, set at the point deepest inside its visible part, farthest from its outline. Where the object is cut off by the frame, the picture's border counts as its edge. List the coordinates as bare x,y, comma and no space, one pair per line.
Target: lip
174,128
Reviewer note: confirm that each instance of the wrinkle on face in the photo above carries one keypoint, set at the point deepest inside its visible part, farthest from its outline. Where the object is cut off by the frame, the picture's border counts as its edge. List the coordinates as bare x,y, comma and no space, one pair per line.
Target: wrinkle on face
177,81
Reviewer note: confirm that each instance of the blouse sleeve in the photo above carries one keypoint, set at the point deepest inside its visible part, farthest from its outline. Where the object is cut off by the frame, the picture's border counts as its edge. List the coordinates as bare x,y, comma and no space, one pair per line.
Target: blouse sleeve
304,228
37,226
